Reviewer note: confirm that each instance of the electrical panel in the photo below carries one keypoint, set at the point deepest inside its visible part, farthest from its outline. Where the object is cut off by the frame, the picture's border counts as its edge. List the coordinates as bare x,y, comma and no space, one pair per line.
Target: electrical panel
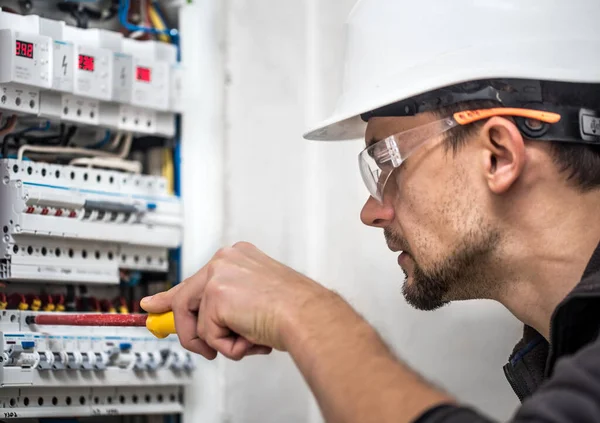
75,224
65,73
90,215
92,371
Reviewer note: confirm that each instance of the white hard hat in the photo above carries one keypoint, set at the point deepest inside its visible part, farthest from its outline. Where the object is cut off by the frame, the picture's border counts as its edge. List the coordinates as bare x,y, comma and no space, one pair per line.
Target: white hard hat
398,49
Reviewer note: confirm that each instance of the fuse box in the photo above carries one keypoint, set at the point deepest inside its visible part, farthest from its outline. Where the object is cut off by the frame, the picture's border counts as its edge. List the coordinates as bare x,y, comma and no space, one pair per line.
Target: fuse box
90,218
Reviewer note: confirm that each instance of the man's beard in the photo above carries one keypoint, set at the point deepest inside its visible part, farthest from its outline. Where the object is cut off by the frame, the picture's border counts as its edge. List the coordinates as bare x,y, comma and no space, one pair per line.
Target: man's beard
461,275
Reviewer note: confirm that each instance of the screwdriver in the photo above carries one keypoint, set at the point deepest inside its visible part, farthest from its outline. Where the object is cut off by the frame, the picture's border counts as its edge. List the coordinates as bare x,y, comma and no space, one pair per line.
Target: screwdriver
160,325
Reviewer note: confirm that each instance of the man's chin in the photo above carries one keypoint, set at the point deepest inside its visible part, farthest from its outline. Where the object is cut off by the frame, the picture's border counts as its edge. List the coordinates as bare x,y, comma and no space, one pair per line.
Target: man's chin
421,292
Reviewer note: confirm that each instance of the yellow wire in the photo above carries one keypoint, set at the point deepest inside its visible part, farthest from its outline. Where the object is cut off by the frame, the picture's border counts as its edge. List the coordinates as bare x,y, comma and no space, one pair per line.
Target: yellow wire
158,23
168,170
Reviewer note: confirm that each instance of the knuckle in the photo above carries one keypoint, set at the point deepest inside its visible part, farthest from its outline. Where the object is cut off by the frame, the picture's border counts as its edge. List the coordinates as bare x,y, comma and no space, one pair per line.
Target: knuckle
200,330
224,252
178,302
211,289
216,290
244,245
186,343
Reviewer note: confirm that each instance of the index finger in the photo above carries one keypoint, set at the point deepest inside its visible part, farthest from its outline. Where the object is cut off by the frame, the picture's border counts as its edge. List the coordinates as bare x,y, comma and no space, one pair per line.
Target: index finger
161,302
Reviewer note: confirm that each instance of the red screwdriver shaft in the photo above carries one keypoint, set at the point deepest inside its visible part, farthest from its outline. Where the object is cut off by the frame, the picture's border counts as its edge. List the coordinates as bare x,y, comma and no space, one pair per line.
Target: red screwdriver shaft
88,319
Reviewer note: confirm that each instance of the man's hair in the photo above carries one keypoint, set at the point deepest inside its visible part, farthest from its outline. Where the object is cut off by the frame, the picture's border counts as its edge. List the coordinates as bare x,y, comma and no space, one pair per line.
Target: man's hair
579,162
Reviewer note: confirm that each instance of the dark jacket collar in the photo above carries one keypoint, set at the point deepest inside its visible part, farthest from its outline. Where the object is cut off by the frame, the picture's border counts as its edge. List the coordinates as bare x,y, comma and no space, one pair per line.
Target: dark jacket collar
574,323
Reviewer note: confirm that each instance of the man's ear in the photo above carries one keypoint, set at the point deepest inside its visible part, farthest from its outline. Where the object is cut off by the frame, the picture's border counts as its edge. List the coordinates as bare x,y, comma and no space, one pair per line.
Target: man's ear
503,154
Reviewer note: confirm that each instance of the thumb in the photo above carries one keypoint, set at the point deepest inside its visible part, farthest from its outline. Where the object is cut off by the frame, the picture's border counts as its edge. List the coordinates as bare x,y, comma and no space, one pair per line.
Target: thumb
161,302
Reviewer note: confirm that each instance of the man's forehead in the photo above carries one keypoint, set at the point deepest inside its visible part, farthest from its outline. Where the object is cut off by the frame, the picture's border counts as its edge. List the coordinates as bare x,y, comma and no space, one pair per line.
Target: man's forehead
379,128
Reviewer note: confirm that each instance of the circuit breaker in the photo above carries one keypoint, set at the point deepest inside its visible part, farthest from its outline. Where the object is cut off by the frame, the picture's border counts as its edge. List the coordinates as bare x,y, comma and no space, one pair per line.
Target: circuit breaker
92,63
26,65
65,371
73,224
140,78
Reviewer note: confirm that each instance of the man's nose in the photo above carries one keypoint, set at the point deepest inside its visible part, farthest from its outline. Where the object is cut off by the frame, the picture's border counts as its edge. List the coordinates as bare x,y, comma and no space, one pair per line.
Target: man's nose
376,214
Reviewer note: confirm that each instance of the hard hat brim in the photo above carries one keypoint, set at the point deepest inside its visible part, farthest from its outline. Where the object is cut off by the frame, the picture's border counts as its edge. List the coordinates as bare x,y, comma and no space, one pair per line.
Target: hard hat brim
525,61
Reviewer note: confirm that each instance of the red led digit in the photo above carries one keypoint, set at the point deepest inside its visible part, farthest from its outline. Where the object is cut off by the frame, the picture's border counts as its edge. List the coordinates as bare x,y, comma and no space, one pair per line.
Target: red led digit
86,63
24,49
143,74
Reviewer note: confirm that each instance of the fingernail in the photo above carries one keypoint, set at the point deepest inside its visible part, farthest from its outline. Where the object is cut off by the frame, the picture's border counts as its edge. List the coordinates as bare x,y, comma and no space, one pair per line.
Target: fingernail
147,299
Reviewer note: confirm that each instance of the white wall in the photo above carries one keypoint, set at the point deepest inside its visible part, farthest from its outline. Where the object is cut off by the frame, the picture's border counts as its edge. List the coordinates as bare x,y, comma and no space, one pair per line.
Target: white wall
300,202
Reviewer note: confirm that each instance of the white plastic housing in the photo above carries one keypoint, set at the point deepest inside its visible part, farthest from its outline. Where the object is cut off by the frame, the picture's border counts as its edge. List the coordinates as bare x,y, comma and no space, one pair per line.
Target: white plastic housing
141,79
26,59
64,223
26,55
63,55
88,371
93,64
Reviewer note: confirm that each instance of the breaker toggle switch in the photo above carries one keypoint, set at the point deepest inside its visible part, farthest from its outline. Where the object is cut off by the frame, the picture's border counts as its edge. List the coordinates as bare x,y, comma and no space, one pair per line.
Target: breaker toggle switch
141,361
176,361
17,357
189,363
46,360
154,361
88,361
101,361
74,360
60,361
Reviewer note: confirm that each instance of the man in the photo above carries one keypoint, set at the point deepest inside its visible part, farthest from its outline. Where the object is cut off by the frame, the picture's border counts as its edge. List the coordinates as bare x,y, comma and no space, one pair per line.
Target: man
483,163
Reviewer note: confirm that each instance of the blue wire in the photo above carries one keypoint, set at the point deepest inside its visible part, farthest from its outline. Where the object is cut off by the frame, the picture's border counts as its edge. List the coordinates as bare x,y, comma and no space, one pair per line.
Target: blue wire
26,130
176,253
36,128
124,11
174,38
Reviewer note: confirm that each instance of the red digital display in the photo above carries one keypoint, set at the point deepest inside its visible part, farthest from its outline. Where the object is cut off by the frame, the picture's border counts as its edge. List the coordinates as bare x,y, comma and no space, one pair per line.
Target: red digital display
86,63
143,74
24,49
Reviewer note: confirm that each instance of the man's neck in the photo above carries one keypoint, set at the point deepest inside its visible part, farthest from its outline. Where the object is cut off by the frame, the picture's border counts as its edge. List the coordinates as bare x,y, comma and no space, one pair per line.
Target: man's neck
546,257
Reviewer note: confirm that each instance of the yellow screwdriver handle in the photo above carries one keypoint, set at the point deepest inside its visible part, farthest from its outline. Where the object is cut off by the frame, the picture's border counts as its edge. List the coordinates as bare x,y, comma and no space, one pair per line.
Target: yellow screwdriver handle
161,325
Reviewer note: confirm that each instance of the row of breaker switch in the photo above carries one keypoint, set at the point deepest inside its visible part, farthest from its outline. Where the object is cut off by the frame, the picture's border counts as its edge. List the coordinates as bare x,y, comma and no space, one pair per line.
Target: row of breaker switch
121,357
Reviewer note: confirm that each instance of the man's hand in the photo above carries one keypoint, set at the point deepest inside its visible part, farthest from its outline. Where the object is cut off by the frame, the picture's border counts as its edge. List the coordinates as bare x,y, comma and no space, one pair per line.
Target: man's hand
240,303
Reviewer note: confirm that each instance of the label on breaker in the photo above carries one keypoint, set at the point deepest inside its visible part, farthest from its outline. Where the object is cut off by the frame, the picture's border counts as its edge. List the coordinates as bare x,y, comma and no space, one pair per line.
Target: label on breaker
64,57
78,109
137,120
19,98
122,77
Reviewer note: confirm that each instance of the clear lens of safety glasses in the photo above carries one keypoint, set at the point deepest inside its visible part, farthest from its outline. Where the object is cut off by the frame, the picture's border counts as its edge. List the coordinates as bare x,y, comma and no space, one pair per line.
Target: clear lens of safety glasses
377,161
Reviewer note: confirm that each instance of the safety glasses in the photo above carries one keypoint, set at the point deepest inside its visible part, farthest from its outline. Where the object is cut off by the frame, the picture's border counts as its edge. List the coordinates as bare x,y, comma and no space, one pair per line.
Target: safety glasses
378,160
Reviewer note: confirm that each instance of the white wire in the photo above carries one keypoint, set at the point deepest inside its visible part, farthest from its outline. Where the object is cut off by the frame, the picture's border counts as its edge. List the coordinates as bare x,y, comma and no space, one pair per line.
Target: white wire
126,148
108,163
74,151
115,141
136,34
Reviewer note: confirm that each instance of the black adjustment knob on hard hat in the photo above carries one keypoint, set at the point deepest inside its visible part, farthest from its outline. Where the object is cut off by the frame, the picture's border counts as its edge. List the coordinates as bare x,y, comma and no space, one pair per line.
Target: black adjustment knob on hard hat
532,128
